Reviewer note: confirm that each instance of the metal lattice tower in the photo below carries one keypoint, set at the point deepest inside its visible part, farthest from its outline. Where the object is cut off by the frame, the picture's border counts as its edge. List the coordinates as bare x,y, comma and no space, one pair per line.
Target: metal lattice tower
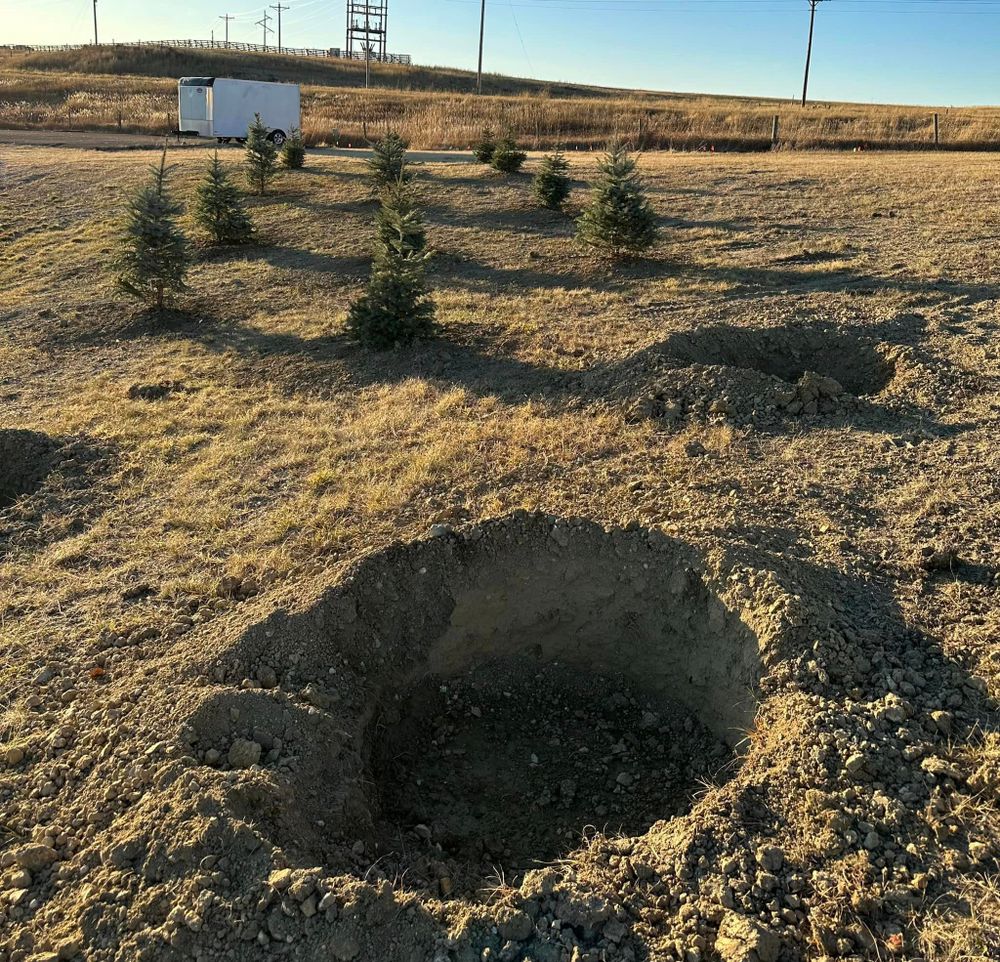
366,25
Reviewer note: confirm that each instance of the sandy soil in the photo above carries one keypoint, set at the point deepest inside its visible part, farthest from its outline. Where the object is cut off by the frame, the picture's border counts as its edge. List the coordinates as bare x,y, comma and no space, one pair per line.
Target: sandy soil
722,522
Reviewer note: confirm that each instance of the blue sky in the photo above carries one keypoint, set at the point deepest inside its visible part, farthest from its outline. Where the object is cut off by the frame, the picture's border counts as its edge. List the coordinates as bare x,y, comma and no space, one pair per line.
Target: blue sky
899,51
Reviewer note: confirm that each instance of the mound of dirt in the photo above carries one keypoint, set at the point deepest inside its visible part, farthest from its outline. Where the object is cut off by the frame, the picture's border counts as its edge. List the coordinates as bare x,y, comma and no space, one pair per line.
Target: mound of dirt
787,354
26,458
758,376
432,759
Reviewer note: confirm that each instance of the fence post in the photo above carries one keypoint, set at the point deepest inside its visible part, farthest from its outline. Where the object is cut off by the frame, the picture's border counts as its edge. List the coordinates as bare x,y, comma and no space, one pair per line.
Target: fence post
774,131
936,131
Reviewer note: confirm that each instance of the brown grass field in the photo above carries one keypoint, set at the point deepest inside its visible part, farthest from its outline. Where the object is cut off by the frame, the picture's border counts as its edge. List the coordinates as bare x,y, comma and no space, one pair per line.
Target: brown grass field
135,90
228,470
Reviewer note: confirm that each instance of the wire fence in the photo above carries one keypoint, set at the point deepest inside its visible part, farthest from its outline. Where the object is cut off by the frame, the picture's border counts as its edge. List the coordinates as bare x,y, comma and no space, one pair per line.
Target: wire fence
329,52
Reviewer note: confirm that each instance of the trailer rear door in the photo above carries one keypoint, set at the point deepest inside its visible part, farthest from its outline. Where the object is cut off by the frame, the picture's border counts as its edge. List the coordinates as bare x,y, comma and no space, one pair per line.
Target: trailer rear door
195,105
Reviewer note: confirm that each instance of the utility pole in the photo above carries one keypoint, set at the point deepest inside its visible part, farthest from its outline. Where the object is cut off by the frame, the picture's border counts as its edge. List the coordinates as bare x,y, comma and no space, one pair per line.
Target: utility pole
95,23
227,18
267,29
279,8
812,21
482,29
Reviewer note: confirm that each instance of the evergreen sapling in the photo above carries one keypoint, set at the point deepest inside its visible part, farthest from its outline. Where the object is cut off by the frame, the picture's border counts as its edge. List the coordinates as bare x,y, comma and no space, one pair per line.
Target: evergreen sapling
551,183
293,154
154,255
507,157
395,308
219,207
387,165
261,157
619,220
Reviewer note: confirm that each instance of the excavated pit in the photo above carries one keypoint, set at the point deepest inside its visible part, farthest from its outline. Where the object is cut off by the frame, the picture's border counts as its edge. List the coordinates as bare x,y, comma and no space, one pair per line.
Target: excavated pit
26,458
787,353
480,703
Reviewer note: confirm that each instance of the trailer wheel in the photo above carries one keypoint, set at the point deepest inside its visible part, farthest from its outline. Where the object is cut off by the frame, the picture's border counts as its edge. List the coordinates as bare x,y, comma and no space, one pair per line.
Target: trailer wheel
241,140
277,137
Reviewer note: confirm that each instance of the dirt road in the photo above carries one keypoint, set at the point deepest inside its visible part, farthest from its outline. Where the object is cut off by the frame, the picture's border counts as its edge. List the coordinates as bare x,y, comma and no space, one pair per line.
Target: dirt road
103,140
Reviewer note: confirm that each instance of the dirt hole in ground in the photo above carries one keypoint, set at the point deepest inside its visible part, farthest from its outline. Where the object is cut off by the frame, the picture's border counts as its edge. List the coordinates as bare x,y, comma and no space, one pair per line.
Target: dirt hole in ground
787,353
588,684
461,709
26,458
512,764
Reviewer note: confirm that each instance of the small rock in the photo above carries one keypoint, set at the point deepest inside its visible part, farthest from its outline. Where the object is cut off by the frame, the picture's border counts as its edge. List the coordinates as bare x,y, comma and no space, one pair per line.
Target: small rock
280,880
856,765
742,939
944,720
35,858
517,926
243,753
13,756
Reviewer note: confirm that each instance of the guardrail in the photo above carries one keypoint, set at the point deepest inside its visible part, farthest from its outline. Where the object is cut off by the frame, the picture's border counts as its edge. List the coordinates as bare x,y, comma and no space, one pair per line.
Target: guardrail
330,52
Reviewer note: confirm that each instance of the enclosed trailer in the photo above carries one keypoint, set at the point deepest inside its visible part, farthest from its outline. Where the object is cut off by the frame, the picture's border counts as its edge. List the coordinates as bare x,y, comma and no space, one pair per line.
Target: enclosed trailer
223,108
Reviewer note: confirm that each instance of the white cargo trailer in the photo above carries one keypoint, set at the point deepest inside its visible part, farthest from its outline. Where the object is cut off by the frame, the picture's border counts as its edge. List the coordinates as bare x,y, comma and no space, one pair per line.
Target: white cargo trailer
223,108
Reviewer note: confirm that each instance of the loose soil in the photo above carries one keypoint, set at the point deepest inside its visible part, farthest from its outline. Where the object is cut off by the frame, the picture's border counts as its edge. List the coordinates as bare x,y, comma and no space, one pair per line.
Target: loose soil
726,518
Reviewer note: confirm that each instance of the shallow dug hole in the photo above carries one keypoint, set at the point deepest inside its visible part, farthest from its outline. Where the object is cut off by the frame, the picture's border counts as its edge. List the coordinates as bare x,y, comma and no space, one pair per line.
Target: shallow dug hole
26,458
478,704
787,353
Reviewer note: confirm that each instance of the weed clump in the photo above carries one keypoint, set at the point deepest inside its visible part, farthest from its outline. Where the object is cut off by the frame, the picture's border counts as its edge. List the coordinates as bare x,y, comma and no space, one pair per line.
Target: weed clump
219,208
154,254
293,153
507,157
261,158
387,165
395,308
551,183
619,220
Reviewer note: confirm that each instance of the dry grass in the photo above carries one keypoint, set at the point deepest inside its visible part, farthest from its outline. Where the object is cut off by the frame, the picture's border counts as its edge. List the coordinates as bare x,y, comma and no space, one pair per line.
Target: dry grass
135,90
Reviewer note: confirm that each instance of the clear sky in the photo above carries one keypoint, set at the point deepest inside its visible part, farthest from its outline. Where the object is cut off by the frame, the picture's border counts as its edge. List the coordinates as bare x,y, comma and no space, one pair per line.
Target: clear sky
900,51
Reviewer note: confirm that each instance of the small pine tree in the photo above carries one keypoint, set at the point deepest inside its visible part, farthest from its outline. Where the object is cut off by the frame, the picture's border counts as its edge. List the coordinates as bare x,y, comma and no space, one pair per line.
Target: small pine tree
154,254
293,154
619,220
387,165
483,148
551,183
261,157
395,309
219,207
507,157
399,221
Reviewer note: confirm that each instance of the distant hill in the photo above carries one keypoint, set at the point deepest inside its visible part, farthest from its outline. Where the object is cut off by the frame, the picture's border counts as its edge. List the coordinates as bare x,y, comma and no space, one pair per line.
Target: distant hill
134,88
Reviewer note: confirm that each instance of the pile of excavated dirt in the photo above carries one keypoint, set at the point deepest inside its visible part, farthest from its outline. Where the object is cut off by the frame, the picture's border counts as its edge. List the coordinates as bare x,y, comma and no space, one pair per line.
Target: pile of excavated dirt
425,761
26,458
765,376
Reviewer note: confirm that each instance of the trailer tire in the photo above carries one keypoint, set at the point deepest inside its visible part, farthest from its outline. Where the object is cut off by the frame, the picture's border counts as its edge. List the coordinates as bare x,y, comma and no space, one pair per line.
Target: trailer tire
277,137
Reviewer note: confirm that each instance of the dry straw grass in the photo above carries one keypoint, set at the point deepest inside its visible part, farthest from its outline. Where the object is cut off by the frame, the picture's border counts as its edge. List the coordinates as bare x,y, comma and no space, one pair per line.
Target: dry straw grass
133,89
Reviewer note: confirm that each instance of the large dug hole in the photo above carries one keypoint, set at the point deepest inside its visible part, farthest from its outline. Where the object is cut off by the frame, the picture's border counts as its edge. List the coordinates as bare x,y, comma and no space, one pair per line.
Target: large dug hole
467,707
787,353
25,460
583,682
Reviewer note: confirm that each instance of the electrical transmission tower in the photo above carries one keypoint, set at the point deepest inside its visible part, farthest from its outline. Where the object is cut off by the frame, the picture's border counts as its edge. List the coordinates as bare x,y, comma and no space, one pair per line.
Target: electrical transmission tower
812,21
227,18
267,29
366,25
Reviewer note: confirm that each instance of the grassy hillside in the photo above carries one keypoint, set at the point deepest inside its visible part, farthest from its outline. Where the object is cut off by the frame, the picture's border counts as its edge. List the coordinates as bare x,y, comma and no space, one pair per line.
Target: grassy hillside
134,89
